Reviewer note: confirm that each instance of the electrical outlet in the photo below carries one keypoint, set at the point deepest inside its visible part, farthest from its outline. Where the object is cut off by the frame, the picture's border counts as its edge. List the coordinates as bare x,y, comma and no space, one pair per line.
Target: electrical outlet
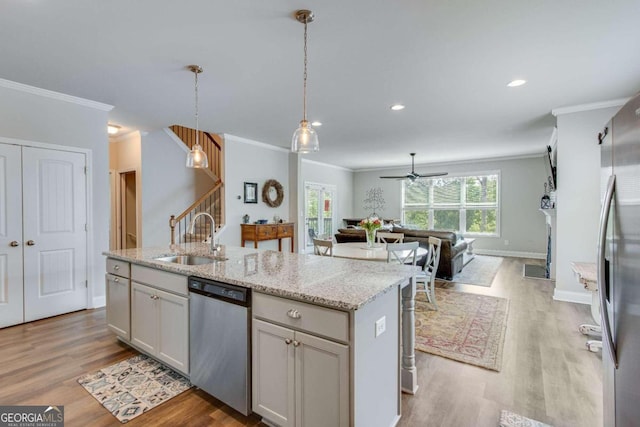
506,243
381,325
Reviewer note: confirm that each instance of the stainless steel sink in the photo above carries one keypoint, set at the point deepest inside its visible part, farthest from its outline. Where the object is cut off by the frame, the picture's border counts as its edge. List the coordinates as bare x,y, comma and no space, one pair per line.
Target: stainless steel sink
190,259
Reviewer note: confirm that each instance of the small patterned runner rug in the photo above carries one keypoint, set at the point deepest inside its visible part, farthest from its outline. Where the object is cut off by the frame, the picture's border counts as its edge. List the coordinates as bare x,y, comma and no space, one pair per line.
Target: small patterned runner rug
467,327
509,419
133,386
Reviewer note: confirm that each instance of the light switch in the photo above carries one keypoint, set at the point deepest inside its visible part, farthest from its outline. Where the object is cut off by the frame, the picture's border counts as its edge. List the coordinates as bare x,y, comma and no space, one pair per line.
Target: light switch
381,325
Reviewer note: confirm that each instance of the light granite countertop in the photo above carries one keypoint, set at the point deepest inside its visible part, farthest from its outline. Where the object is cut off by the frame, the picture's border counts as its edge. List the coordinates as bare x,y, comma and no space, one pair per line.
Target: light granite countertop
333,282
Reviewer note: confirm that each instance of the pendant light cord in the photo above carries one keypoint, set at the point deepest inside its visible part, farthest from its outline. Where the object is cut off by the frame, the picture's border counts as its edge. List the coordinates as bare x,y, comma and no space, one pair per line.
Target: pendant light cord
304,91
197,128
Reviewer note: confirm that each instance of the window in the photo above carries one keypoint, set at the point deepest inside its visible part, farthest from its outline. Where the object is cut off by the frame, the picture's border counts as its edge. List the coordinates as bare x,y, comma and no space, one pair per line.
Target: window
468,203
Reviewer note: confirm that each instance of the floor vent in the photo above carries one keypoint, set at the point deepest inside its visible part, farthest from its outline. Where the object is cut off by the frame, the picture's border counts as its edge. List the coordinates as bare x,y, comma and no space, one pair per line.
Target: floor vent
533,271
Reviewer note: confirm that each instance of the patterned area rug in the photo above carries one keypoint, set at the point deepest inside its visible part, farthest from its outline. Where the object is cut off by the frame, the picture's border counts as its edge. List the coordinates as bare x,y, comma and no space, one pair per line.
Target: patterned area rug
509,419
480,271
466,327
133,386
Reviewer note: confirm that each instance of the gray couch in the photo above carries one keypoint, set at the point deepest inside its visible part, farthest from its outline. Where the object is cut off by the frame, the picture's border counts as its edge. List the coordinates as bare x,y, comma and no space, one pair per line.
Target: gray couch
451,251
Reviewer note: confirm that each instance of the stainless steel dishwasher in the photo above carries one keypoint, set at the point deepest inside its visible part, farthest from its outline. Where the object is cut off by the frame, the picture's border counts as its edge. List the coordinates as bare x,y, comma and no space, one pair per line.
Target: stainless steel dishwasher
220,349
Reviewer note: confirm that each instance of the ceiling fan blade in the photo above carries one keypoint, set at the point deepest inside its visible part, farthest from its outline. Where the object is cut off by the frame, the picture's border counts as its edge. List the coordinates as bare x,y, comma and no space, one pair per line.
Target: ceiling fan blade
429,175
395,177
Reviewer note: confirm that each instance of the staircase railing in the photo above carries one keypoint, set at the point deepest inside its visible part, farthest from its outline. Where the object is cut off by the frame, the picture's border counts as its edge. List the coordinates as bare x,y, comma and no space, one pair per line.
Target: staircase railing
213,201
209,203
211,144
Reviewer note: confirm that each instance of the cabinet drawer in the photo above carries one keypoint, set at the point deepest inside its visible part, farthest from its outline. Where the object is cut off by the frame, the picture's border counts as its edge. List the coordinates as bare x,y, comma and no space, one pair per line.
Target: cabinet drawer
312,318
267,232
285,231
119,268
164,280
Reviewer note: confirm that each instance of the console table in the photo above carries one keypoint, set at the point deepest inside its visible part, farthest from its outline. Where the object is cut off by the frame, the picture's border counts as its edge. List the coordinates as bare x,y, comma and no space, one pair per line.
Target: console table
259,232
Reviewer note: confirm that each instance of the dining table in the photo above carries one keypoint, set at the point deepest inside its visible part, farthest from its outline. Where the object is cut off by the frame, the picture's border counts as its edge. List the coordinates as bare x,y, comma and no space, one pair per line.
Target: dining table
360,251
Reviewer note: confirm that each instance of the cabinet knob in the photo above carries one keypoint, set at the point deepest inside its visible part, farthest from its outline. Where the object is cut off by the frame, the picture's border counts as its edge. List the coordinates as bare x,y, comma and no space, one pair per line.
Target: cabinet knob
287,341
116,267
30,243
116,280
13,244
296,343
154,297
294,314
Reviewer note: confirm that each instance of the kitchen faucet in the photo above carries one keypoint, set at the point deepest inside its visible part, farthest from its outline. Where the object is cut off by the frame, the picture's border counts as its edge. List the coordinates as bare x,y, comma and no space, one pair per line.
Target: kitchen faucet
214,247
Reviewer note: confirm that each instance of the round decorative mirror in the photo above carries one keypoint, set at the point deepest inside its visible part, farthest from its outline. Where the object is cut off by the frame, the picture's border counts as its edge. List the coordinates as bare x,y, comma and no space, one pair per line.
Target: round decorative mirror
272,193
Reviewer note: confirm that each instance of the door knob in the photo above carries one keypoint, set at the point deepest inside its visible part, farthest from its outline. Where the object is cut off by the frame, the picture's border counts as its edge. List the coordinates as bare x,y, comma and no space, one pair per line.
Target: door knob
13,244
30,243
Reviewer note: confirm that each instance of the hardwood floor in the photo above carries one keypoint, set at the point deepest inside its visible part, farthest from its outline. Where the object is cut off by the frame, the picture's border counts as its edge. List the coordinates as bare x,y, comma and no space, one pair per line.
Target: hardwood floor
547,373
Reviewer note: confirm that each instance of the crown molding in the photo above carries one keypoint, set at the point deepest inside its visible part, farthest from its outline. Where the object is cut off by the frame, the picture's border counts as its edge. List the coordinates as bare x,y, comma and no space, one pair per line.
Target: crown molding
589,107
255,143
537,153
327,165
55,95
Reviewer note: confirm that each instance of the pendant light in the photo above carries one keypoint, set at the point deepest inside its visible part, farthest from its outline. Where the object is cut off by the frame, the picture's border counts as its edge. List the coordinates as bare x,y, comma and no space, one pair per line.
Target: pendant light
305,138
197,158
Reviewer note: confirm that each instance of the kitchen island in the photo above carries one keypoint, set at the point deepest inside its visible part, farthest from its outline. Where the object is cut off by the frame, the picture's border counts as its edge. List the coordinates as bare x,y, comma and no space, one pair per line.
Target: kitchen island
354,328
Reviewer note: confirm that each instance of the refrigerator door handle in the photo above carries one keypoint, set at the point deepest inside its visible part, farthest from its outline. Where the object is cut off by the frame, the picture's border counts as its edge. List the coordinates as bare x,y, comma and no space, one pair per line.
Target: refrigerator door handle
602,241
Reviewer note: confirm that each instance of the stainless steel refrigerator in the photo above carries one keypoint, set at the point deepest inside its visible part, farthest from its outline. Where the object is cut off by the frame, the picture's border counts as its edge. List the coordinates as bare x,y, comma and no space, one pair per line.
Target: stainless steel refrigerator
619,266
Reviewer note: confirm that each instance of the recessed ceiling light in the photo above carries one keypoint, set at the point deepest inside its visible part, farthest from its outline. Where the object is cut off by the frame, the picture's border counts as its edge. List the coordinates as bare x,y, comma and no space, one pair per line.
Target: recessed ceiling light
112,129
516,83
397,107
316,123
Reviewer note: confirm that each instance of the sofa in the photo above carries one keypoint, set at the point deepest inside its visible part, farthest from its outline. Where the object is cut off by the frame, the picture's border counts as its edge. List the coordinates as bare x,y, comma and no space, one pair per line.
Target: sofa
451,251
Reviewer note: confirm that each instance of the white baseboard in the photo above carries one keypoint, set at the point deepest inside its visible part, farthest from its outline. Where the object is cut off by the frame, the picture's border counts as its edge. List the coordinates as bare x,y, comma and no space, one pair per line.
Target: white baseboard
513,254
572,296
99,302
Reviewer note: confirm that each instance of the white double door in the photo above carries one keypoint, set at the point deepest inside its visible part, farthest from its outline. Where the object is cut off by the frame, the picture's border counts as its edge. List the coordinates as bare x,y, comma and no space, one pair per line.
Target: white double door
43,239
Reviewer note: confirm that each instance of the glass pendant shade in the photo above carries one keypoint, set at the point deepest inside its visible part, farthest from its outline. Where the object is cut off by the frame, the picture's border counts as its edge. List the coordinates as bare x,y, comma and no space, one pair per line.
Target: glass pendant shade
305,139
197,158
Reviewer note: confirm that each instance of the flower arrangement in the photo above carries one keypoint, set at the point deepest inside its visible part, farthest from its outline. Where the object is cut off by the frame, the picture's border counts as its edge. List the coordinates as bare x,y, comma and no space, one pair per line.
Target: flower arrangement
372,223
370,226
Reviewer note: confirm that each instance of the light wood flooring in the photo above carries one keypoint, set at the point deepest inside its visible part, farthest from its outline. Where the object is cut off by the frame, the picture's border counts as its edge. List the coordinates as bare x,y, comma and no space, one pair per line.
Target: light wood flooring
547,373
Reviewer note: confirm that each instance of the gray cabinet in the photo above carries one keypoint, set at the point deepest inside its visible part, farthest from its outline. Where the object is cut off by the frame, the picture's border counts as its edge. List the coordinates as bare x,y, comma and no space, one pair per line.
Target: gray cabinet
299,379
117,285
160,325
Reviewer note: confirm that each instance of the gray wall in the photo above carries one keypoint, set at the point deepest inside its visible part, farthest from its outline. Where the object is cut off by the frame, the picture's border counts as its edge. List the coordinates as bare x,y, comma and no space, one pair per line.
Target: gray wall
578,197
251,161
168,186
45,119
522,185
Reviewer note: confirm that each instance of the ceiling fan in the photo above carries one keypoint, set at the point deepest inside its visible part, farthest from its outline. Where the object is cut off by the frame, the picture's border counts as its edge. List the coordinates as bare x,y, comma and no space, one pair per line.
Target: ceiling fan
413,175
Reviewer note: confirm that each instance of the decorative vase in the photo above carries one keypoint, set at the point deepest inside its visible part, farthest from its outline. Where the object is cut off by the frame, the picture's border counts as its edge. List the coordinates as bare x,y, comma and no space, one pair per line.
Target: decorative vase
371,237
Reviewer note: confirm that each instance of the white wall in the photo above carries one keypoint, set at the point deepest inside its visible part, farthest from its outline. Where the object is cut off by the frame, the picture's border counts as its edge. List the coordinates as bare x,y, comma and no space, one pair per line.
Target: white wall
578,197
168,186
252,161
522,185
52,119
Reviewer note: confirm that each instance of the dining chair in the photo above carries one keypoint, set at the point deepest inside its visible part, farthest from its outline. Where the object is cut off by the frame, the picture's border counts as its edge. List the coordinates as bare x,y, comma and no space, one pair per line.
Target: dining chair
388,237
323,247
402,253
427,276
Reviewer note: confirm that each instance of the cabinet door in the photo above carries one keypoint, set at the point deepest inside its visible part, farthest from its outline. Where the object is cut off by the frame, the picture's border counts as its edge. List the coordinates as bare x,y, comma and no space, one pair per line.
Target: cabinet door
144,317
11,294
322,382
118,320
273,370
173,332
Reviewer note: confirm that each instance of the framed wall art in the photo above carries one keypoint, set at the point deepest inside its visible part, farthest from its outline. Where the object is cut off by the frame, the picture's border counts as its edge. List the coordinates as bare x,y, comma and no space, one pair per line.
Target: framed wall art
251,192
